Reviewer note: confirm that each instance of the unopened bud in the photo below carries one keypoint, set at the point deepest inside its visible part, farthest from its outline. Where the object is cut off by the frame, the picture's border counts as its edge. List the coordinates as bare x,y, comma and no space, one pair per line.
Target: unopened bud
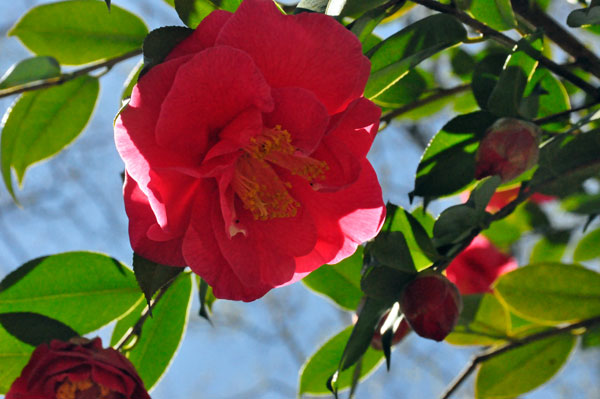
431,305
509,148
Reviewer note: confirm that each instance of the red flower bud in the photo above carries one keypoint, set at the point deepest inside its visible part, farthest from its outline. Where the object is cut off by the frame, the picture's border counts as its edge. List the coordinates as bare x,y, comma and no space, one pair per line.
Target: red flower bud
431,305
509,148
77,369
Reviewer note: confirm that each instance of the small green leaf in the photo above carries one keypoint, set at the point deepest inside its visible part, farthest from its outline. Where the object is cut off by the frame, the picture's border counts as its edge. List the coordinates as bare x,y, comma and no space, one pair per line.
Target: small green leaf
483,321
83,290
583,204
552,98
404,91
160,42
391,250
591,338
448,164
455,224
15,355
462,62
392,58
503,375
162,333
551,292
42,123
339,282
207,298
131,80
192,12
383,282
588,247
551,247
585,16
324,362
35,329
126,322
30,70
497,14
483,192
566,162
152,276
312,5
78,31
485,77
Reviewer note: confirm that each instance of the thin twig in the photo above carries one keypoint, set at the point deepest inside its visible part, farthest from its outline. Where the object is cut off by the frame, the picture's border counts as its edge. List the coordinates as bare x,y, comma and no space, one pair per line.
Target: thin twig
439,94
42,84
508,42
482,357
551,118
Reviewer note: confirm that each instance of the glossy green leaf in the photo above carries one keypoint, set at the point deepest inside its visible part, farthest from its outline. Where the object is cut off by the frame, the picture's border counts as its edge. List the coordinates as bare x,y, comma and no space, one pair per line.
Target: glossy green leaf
79,31
152,276
483,321
83,290
159,43
14,354
585,16
404,91
354,7
207,298
126,322
497,14
462,62
324,362
523,369
455,224
552,99
312,5
391,250
392,58
339,282
30,70
131,81
566,162
551,292
485,77
42,123
192,12
384,282
588,247
448,164
551,247
162,333
35,329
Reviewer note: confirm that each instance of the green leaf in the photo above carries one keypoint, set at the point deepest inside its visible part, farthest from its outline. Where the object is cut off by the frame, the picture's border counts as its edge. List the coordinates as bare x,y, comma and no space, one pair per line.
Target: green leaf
383,282
107,4
551,292
83,290
79,31
551,247
483,321
588,247
462,62
30,70
391,250
503,375
207,298
35,329
404,91
585,16
355,7
497,14
485,77
448,164
43,122
152,276
126,322
552,99
483,192
454,225
566,162
132,79
15,355
159,43
324,362
392,58
590,339
339,282
192,12
582,203
506,97
162,333
312,5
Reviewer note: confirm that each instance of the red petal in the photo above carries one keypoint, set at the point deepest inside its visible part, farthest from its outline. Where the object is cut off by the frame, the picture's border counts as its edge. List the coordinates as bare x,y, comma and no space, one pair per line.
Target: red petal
141,219
308,50
208,92
204,35
343,167
300,113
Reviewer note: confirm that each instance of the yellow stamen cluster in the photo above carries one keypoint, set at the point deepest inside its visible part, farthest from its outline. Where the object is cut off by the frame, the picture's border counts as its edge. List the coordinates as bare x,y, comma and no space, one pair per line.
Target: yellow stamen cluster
74,390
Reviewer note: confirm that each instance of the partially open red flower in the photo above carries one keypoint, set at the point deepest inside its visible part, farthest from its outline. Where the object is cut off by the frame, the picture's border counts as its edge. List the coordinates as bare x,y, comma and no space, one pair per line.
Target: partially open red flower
80,369
509,148
476,268
245,151
431,305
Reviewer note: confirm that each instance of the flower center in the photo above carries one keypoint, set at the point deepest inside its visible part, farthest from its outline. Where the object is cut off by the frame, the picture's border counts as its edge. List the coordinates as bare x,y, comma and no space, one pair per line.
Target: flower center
257,183
85,389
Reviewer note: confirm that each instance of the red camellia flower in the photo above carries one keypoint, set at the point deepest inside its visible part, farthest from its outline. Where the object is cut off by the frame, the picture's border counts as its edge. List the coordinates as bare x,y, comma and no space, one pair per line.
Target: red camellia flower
502,198
476,268
245,151
509,148
431,305
79,369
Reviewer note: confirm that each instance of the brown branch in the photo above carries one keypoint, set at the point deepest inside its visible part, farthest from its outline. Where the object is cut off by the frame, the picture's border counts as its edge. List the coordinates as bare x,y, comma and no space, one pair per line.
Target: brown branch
584,58
42,84
482,357
508,42
439,94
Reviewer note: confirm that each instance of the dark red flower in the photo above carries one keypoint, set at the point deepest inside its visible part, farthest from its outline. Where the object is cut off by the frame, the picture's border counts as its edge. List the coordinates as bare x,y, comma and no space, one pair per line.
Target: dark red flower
431,305
509,148
245,151
476,268
80,369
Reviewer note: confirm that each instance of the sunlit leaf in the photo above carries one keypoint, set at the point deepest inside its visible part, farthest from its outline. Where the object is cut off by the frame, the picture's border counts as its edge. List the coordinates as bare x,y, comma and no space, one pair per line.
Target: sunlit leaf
30,70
